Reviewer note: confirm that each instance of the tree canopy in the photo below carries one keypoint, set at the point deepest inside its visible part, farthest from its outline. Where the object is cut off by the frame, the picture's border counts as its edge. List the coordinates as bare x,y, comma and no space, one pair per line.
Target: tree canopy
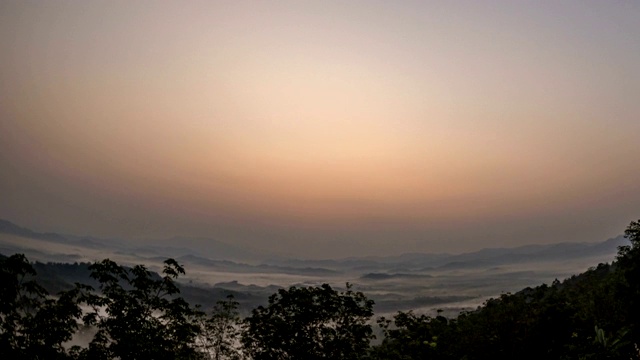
310,323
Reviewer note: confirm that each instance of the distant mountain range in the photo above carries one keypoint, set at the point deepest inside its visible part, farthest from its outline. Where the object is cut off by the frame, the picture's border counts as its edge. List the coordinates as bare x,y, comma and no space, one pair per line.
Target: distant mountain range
7,227
217,254
207,247
479,259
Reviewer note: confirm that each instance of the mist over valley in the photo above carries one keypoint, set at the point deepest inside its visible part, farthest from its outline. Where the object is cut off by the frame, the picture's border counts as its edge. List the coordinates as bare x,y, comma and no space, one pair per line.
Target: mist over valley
418,281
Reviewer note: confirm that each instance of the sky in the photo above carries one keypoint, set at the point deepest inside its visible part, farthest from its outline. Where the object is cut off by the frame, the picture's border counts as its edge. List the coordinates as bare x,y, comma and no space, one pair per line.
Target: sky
322,128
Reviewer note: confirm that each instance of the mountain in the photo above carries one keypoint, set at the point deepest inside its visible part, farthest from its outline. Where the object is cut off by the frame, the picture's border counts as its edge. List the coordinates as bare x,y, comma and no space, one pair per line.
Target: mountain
211,249
7,227
536,253
168,247
478,259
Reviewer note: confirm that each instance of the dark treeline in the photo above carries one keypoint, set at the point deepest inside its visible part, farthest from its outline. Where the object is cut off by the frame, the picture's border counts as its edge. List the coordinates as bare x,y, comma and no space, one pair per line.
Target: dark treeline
133,313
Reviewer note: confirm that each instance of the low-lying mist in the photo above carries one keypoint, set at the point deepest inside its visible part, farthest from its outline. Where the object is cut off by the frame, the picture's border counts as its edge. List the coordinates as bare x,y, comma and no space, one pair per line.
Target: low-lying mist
424,283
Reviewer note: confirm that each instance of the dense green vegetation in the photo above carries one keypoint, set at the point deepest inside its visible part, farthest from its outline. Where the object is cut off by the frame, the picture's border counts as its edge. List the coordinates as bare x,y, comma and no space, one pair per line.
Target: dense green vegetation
133,313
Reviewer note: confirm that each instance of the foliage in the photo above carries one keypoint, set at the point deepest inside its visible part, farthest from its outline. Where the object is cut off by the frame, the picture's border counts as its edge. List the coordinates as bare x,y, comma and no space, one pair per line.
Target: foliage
137,316
221,331
628,286
32,325
310,323
410,336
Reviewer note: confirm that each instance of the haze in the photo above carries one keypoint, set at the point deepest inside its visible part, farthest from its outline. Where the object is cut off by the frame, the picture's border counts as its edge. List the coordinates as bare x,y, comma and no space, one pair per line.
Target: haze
322,129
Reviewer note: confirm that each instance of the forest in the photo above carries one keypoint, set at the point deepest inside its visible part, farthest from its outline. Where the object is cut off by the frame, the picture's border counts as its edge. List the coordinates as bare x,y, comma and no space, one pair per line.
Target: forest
133,313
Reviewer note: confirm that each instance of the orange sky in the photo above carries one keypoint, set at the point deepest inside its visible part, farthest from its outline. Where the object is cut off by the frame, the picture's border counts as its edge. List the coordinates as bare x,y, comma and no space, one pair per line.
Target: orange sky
385,126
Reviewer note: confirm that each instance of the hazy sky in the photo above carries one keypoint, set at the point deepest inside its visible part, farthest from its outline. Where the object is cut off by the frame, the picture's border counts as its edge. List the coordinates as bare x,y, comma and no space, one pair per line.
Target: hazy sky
322,128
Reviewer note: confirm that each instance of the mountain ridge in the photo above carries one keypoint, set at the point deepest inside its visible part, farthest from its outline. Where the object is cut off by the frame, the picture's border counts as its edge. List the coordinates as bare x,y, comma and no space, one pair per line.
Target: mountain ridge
207,249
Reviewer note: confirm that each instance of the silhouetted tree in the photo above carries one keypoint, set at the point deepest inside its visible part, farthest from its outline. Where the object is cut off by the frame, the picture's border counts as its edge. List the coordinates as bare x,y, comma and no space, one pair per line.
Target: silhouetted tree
220,332
32,324
628,289
139,316
310,323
